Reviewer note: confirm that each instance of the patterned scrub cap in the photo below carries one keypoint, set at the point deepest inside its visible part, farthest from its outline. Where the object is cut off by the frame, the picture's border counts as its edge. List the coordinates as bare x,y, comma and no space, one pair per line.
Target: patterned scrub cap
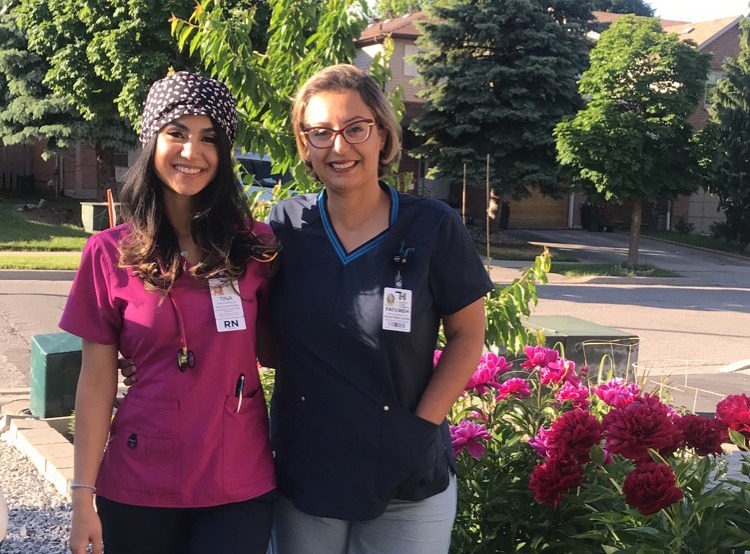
185,93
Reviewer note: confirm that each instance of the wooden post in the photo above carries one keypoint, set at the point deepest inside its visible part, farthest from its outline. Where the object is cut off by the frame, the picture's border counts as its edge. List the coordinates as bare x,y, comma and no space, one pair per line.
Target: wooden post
110,208
487,211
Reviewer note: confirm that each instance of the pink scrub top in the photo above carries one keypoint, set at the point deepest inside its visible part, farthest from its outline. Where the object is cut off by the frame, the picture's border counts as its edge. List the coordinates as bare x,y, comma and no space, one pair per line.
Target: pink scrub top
177,439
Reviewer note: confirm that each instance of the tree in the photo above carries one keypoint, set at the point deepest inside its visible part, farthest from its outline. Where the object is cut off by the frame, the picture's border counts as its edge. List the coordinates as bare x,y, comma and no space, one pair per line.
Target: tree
29,111
498,75
728,134
633,141
102,57
302,38
397,8
636,7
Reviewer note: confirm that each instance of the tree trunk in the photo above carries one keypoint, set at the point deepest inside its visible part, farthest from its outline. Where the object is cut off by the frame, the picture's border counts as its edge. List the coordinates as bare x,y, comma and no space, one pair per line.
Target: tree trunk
635,233
105,170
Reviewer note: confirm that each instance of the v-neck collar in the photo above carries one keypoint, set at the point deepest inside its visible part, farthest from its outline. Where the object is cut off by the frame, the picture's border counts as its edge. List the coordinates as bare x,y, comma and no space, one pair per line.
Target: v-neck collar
367,246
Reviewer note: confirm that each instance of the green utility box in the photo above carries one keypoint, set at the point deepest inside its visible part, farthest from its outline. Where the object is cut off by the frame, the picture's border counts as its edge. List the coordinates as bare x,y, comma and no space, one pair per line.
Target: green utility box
55,365
588,343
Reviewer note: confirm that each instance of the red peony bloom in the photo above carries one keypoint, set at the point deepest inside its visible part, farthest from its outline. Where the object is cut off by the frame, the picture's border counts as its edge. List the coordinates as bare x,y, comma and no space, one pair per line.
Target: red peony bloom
651,487
551,480
644,423
734,412
701,434
572,435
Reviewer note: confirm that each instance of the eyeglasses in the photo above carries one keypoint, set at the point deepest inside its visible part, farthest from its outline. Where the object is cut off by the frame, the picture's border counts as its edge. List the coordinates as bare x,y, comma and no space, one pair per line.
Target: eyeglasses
354,133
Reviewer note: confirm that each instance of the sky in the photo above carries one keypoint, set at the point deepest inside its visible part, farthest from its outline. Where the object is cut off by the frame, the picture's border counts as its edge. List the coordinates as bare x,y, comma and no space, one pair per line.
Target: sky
698,10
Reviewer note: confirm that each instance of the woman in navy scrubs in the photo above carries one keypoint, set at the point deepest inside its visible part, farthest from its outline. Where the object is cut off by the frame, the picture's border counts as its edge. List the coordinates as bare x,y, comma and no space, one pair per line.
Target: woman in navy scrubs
358,425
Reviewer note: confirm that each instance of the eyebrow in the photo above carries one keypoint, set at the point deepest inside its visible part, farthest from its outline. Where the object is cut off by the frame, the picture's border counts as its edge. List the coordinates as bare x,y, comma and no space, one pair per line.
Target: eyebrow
349,121
185,127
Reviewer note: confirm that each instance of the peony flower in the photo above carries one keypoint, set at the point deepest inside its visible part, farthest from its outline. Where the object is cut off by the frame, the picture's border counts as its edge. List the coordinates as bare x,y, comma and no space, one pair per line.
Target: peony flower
651,487
577,395
468,434
617,392
551,480
734,412
558,372
436,357
702,434
571,436
514,386
538,357
490,367
642,424
539,443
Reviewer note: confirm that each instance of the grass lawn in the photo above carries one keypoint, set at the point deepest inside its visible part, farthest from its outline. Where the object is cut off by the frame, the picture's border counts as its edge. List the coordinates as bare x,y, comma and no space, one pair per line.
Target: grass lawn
697,240
39,260
609,270
518,252
52,228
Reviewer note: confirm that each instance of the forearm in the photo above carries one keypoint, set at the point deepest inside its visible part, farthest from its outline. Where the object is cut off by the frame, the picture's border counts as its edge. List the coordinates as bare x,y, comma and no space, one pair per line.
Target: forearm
464,332
95,395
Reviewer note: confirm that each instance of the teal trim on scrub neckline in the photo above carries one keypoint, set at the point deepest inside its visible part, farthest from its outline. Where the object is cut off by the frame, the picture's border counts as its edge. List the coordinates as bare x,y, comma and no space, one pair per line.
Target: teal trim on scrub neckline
369,245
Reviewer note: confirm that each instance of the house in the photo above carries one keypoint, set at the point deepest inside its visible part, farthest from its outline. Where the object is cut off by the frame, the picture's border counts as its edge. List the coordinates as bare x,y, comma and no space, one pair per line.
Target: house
719,37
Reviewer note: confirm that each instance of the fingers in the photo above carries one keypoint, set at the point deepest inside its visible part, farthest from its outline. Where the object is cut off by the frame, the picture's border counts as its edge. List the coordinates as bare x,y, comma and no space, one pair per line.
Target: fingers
127,369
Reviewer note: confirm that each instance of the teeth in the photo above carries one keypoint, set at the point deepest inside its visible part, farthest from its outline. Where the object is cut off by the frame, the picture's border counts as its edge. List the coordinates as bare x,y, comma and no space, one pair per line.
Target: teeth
342,165
188,170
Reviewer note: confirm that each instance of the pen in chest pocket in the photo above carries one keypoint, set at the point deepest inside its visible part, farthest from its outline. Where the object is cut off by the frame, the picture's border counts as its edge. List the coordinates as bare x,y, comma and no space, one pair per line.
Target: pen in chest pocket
238,390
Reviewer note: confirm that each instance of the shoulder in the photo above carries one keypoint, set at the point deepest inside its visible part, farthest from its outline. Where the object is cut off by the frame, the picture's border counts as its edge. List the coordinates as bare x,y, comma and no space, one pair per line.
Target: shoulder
108,240
295,211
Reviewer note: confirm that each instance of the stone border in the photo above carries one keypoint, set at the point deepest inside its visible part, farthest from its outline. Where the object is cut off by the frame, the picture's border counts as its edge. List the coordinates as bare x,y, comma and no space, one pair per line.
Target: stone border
44,444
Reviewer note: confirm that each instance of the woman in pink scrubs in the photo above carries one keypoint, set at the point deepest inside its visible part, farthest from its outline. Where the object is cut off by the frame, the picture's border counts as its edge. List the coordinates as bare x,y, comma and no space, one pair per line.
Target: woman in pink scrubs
178,288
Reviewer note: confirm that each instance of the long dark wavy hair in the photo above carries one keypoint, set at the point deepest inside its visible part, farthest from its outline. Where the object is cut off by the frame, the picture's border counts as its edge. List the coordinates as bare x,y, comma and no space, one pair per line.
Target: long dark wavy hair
222,225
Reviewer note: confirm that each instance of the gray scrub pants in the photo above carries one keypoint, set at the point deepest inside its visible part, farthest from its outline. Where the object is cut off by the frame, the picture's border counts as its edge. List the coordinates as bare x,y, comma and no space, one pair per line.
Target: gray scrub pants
422,527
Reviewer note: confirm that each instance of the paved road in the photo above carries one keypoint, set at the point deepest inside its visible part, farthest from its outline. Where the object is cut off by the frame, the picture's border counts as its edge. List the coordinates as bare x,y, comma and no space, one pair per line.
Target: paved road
688,326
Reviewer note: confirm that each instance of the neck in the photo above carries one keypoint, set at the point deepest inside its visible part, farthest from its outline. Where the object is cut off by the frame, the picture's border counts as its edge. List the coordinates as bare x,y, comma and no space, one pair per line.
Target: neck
358,218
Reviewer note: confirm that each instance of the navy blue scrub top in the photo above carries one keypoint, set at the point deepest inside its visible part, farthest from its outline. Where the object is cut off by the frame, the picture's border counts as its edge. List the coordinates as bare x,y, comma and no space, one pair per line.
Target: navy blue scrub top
342,416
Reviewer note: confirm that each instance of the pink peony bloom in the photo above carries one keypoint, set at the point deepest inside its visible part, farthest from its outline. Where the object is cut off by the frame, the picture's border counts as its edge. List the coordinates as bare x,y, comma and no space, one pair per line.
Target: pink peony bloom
490,367
617,392
734,412
651,487
539,443
642,424
577,395
551,480
515,387
469,435
538,357
436,357
558,372
571,436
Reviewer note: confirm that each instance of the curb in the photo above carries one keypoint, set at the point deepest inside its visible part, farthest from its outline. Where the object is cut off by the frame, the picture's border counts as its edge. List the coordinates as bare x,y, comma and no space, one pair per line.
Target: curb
43,443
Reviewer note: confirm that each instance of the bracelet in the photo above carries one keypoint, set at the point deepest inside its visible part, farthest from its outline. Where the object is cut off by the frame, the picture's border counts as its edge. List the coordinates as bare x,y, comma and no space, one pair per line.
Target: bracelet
75,485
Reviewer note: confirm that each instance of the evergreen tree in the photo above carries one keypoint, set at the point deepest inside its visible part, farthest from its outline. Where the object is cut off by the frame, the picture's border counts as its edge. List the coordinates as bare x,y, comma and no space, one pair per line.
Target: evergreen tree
396,8
29,111
729,133
636,7
633,141
498,75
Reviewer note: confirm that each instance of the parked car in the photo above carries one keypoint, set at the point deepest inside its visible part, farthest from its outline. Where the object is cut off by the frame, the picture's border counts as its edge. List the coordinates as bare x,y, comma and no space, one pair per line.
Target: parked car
259,166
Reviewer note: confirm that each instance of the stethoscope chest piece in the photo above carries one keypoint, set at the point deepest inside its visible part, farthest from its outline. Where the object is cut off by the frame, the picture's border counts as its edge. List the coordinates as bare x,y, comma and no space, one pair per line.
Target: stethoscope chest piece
185,359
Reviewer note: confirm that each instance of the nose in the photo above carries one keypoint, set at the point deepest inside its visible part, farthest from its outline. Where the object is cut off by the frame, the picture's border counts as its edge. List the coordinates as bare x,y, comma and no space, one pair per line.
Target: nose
339,143
190,148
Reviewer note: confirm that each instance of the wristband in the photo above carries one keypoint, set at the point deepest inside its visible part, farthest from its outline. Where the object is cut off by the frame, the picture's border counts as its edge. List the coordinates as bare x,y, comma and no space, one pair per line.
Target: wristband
75,485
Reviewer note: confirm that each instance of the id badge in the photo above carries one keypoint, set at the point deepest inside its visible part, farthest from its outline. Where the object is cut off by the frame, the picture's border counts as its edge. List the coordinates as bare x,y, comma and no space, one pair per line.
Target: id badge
227,304
397,310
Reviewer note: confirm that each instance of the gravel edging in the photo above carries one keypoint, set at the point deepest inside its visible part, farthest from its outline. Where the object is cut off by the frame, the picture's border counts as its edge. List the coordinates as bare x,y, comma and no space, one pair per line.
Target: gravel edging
39,515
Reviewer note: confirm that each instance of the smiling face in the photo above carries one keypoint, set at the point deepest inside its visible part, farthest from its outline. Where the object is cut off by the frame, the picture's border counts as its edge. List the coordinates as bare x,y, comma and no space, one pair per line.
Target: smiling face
186,158
343,166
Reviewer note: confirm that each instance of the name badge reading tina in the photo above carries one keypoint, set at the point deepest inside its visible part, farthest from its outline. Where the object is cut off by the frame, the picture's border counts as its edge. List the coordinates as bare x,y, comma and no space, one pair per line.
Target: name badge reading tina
397,310
227,303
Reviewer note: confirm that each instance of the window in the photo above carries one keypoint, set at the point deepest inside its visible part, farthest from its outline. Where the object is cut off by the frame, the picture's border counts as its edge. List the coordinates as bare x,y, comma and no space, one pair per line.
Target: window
713,78
410,68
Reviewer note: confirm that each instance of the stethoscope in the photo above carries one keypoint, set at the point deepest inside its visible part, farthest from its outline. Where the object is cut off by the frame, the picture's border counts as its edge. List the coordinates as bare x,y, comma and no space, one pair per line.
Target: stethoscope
185,356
